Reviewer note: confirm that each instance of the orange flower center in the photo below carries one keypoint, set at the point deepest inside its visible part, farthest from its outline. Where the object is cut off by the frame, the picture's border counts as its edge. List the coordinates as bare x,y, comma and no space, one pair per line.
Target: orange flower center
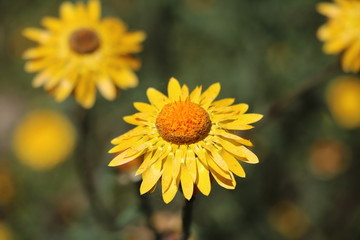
84,41
183,123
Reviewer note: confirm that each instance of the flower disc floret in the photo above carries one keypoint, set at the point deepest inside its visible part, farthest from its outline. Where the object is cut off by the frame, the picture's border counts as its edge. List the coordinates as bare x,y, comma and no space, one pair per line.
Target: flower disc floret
183,123
84,41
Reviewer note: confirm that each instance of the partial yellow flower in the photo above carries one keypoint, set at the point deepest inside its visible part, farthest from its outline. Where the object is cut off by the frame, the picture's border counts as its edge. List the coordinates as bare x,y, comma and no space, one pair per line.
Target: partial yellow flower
80,52
5,232
343,99
43,139
341,33
188,139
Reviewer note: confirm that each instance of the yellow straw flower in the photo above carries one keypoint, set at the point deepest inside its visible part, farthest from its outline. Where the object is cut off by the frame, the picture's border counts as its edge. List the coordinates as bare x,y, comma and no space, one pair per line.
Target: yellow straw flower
43,139
342,31
81,52
343,99
186,138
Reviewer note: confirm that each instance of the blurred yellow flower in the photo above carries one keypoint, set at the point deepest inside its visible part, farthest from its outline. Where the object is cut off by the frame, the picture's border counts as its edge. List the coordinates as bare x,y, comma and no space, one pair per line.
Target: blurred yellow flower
5,232
341,33
81,52
343,99
43,139
186,138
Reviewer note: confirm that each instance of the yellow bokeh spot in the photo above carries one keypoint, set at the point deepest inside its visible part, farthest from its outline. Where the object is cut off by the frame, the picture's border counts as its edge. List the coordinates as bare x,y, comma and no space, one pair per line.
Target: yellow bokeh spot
328,158
5,233
343,98
289,220
43,139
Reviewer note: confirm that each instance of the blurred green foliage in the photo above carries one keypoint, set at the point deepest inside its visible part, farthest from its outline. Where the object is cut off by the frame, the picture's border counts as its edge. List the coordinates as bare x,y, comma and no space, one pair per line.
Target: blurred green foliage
259,51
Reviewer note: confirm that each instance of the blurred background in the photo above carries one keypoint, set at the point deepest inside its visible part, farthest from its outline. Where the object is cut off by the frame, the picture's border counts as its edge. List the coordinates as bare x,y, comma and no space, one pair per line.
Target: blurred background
264,53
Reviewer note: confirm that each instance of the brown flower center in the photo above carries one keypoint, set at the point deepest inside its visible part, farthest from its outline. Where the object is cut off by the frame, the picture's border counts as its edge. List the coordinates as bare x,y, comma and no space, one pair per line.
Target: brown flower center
183,123
84,41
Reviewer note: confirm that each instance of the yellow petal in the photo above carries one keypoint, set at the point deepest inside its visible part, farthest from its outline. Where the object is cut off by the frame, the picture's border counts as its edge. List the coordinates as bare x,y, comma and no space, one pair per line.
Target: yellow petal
150,177
167,172
184,93
249,118
144,107
233,164
106,87
67,11
38,52
195,95
40,79
109,24
209,95
223,102
224,182
337,44
215,156
187,184
156,98
85,92
94,9
133,132
213,167
350,57
125,157
140,118
128,143
131,42
169,195
158,155
38,65
80,11
232,136
37,35
179,158
328,9
124,78
52,23
174,89
249,155
237,109
239,152
203,182
132,153
200,153
190,163
64,89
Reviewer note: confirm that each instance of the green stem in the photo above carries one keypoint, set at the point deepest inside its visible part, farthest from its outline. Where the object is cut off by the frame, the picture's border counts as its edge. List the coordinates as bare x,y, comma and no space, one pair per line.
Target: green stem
187,218
86,172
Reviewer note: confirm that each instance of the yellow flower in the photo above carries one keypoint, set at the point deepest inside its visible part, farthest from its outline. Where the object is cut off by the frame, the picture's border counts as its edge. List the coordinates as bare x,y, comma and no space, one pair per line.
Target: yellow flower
343,99
186,138
43,139
342,31
81,52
